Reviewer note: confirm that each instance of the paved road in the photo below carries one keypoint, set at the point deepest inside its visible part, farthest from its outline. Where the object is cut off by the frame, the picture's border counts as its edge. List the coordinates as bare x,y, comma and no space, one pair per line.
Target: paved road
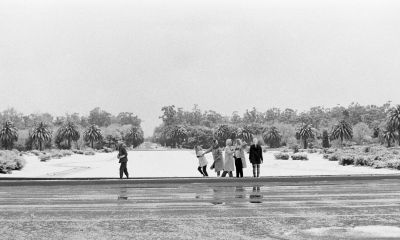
349,209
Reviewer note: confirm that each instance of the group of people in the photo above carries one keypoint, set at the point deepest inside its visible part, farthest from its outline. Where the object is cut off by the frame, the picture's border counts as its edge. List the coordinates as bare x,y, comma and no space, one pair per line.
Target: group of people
233,160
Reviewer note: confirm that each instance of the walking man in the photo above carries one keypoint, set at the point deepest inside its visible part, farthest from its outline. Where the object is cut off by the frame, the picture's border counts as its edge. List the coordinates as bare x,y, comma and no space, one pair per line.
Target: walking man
123,160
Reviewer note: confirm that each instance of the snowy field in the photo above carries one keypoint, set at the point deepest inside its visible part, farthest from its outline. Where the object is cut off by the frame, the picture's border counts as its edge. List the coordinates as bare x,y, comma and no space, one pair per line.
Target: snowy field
178,163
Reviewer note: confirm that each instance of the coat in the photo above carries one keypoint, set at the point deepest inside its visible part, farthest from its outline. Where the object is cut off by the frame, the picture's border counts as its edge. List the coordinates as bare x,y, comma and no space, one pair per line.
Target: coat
218,159
229,163
255,155
239,153
122,151
202,159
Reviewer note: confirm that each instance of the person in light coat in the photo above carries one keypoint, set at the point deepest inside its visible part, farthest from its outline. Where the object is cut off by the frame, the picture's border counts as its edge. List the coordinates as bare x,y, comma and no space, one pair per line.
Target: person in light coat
229,163
218,164
202,161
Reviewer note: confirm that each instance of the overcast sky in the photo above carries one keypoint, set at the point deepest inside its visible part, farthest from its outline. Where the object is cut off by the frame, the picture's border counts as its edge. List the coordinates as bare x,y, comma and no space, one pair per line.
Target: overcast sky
71,56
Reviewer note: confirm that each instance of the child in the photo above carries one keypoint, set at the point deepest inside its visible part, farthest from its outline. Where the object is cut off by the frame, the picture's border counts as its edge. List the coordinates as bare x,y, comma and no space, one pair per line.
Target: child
240,160
202,161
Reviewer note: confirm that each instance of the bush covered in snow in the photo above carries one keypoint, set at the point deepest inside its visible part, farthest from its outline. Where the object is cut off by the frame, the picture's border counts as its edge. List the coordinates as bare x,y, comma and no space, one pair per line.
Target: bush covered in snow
9,161
299,156
281,156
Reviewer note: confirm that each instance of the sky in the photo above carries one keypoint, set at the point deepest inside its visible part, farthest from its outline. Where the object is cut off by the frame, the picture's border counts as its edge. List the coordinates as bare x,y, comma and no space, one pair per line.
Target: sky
139,55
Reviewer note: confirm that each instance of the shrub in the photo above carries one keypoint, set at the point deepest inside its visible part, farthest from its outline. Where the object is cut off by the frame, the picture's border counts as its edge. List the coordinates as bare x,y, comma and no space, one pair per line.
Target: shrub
44,157
346,160
281,156
89,152
66,153
334,157
369,161
329,150
367,149
56,155
380,164
360,161
295,148
299,156
312,150
9,161
108,150
77,151
36,152
326,156
394,163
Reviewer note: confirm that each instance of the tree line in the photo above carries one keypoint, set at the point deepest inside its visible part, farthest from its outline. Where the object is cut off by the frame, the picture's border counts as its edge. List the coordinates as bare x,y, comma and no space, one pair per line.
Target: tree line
42,130
318,126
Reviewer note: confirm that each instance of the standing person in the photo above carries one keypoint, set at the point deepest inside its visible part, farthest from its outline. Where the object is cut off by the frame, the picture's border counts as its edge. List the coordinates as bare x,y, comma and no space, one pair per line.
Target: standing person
256,157
240,159
202,161
123,160
229,163
218,164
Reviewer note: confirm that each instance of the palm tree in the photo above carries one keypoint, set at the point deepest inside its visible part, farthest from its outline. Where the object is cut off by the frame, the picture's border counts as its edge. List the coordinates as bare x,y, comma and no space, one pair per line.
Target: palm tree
272,137
92,134
305,132
69,132
135,136
40,134
244,133
394,119
224,131
8,135
389,135
342,130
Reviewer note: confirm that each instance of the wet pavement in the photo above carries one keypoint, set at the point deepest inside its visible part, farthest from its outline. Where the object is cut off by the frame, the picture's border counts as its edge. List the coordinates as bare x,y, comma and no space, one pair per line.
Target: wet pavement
350,209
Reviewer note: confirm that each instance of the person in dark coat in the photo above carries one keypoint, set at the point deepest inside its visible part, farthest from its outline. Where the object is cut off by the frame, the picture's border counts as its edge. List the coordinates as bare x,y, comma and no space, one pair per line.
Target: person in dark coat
256,157
123,160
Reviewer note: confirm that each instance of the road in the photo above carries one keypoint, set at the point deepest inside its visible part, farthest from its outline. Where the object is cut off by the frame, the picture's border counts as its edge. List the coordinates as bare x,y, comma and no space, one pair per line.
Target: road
359,208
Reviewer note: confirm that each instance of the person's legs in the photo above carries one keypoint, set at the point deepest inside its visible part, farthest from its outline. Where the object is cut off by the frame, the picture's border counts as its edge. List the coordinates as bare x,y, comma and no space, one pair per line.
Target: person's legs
254,170
122,169
239,168
199,169
205,171
237,164
230,174
258,170
240,172
126,171
218,173
224,173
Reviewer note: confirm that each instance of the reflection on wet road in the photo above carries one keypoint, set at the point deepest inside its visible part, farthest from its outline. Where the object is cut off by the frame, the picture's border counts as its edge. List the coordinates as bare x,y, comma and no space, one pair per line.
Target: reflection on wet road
311,210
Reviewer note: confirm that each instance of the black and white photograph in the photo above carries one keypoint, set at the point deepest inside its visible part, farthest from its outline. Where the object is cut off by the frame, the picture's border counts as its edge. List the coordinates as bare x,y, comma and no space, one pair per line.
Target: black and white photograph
199,119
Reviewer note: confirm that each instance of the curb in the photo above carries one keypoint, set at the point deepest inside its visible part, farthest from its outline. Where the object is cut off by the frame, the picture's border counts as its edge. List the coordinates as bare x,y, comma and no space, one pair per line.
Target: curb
190,180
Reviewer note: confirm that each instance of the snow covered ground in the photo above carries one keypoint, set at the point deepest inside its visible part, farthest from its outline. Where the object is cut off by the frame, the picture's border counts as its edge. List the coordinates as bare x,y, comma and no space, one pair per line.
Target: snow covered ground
179,163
